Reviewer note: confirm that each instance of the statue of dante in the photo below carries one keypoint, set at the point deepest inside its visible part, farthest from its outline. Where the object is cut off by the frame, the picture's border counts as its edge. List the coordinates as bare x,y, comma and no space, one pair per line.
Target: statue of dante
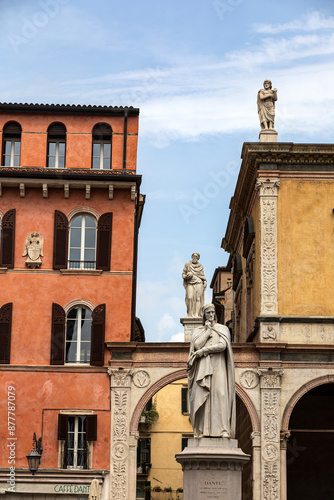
195,283
211,379
266,98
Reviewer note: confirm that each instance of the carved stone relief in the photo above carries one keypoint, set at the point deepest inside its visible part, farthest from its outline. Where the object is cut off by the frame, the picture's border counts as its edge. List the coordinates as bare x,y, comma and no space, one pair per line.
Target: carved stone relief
270,383
268,192
120,383
269,332
303,333
33,249
141,379
249,379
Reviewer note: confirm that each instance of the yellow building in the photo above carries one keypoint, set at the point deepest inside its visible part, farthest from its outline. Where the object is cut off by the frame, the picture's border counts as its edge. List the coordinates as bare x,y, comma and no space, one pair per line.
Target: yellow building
280,235
163,439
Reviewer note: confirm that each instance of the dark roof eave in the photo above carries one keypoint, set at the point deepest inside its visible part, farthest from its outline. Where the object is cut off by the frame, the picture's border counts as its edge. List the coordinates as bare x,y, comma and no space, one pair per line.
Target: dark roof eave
71,174
69,108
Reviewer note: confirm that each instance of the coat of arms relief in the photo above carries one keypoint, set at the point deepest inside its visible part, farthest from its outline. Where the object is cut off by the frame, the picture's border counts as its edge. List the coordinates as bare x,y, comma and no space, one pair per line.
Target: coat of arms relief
33,250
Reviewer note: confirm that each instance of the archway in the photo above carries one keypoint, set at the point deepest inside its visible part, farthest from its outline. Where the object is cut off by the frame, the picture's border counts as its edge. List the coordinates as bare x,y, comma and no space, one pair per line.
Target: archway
247,422
309,416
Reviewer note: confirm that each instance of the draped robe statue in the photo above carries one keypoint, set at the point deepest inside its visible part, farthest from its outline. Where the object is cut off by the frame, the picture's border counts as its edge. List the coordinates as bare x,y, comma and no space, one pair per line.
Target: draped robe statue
211,379
266,98
194,283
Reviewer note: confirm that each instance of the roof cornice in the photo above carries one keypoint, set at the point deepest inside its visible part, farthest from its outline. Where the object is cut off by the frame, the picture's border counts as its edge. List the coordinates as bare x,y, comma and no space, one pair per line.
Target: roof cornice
274,159
68,108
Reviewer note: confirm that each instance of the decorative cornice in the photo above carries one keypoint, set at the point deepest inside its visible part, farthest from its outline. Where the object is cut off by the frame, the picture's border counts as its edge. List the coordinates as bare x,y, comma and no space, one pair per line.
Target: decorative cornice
286,158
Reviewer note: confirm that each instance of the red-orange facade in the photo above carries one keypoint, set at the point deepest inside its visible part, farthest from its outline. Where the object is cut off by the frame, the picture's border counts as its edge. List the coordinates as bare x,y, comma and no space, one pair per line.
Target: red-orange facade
70,208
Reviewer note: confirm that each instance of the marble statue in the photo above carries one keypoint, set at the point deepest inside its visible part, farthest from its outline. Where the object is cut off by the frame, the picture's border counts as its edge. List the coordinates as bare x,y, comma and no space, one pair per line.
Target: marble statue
266,98
211,379
195,284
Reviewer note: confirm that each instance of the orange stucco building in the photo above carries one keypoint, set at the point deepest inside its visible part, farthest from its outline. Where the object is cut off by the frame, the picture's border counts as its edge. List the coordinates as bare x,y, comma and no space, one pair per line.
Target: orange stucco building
70,209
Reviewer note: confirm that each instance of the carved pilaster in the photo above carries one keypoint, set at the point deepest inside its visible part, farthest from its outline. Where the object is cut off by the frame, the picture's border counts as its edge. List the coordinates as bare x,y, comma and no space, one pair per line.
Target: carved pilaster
270,384
268,192
120,384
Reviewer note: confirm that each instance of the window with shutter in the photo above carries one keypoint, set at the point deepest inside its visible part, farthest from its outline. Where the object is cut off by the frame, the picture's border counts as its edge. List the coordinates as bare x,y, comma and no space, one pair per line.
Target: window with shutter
8,239
82,245
56,145
76,432
5,332
103,252
60,241
101,155
11,145
57,335
78,335
98,335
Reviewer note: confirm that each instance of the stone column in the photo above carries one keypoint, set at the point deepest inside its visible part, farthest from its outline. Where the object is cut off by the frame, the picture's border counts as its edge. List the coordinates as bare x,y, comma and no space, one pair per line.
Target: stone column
270,386
284,443
268,193
120,384
256,445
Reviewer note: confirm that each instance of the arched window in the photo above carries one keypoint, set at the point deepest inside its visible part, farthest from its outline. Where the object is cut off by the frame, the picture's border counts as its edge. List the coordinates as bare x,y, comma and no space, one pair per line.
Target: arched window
82,245
11,145
78,335
56,145
101,157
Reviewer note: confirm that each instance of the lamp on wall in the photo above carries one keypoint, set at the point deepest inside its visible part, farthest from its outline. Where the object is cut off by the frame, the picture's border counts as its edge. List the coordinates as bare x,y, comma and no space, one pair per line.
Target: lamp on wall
34,457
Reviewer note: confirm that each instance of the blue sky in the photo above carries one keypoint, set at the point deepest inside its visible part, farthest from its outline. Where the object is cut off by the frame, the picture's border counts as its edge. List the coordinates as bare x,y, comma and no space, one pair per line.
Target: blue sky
194,68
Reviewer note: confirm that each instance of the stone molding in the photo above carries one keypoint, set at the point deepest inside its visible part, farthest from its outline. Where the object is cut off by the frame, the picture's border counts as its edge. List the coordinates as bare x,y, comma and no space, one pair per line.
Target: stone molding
81,210
78,302
268,192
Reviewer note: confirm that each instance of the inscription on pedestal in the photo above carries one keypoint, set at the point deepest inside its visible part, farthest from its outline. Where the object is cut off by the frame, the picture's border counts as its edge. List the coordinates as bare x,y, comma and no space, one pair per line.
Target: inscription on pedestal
213,490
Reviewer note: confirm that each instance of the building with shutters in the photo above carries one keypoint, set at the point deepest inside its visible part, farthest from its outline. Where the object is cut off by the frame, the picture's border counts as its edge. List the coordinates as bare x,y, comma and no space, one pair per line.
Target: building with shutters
70,210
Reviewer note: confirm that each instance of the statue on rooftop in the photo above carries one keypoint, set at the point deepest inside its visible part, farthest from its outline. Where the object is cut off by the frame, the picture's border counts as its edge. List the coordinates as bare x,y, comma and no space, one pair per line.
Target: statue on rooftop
266,98
194,283
211,379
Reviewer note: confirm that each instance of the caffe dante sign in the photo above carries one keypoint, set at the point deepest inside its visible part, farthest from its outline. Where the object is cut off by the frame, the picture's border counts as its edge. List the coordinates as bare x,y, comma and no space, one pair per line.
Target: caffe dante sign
72,488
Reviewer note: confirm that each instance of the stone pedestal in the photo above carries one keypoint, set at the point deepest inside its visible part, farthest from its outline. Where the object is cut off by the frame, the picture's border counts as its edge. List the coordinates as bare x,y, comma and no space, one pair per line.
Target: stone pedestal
212,469
189,325
268,135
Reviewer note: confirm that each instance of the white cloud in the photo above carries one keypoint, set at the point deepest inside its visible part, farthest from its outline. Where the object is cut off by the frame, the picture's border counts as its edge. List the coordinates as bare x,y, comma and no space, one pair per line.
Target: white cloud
313,21
166,326
190,102
178,337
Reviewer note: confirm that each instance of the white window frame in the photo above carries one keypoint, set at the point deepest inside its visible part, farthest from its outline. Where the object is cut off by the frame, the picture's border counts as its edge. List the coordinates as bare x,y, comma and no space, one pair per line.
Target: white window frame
12,152
101,155
56,156
82,244
78,341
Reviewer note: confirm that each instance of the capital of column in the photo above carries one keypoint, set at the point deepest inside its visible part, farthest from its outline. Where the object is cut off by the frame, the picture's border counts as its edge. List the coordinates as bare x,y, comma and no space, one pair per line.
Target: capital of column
256,439
267,187
284,438
120,377
270,378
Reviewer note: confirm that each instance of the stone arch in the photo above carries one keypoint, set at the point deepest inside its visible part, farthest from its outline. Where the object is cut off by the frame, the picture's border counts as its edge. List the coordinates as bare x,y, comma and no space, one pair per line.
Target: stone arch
149,393
326,379
252,411
79,302
83,210
177,375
